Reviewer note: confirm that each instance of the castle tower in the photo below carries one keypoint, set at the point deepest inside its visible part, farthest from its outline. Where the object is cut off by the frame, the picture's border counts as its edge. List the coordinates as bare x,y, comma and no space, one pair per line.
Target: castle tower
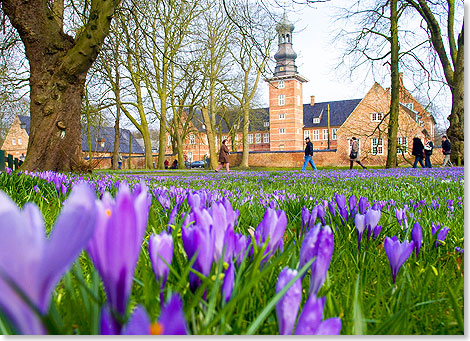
285,94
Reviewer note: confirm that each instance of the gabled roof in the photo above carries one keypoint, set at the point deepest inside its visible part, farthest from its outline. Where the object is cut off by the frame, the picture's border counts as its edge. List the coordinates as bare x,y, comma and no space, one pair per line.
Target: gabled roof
104,132
25,120
339,112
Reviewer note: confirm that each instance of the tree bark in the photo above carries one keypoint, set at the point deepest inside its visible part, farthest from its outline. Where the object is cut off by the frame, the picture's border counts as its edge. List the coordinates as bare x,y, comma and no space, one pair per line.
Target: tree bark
395,88
210,139
58,68
246,145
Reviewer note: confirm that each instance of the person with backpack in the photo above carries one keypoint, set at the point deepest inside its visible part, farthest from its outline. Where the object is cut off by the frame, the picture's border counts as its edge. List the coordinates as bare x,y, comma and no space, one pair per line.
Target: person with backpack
446,150
428,147
308,155
354,154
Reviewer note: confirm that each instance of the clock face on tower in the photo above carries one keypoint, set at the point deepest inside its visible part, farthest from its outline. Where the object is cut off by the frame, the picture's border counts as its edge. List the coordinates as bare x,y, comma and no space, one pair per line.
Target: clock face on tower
281,68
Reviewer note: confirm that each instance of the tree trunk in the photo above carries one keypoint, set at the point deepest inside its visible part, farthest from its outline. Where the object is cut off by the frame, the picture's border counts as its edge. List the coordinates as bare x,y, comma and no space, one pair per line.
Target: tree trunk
246,145
395,88
210,139
163,129
456,118
58,67
117,137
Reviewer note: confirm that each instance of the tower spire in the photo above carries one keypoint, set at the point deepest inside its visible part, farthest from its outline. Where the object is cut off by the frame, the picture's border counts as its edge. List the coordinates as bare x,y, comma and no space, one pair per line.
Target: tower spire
285,55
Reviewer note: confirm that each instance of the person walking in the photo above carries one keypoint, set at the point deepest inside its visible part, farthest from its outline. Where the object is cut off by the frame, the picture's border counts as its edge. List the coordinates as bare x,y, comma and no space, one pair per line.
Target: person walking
418,149
308,155
428,147
354,155
446,150
119,160
223,157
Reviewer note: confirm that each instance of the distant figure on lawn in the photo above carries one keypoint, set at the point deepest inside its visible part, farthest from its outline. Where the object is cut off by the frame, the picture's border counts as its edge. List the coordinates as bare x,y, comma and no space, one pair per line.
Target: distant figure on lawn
418,151
428,147
22,157
119,160
175,164
446,150
166,164
308,154
354,155
223,157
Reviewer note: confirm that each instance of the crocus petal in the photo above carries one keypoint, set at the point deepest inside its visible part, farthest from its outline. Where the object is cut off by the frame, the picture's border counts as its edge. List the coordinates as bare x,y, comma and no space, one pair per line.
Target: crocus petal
161,251
311,316
172,317
417,236
322,263
139,323
309,247
227,286
397,253
288,306
360,222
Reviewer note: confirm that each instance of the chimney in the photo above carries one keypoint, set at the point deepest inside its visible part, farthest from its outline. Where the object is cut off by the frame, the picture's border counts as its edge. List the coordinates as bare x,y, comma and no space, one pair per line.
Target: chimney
312,100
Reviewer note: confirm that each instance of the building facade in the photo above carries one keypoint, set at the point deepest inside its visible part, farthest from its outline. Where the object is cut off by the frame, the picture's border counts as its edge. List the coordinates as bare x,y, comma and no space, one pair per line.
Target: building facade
329,125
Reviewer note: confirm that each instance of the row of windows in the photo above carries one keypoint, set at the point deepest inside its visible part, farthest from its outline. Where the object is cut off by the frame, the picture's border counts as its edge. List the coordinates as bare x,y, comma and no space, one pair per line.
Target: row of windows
258,138
13,141
315,135
377,145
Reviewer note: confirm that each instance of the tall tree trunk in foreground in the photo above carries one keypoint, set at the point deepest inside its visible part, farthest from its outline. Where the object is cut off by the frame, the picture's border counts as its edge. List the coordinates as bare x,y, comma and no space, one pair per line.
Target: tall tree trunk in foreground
58,67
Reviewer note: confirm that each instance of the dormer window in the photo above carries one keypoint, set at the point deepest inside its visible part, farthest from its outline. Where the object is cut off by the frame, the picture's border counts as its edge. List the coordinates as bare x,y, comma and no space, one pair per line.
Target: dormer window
409,105
266,124
316,120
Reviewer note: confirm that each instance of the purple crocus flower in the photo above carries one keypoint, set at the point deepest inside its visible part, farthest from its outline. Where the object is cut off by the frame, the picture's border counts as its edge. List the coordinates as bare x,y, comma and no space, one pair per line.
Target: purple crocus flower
227,286
305,216
360,222
288,306
417,236
240,247
172,218
377,231
117,241
199,238
171,321
397,253
435,227
340,200
272,227
371,220
441,235
321,213
458,249
363,205
311,319
35,263
322,263
309,247
161,254
332,208
352,202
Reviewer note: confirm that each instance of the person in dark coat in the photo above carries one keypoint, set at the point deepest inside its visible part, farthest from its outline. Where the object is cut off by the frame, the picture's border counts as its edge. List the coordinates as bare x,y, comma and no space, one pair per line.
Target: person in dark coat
428,147
446,150
308,155
418,150
354,155
223,157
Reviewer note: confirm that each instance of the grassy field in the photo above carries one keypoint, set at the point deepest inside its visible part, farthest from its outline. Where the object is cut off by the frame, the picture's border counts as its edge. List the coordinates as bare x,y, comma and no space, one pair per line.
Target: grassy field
228,237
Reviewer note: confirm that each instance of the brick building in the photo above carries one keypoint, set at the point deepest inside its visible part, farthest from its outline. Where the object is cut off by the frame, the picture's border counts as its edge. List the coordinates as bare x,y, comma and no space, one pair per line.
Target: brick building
330,125
101,143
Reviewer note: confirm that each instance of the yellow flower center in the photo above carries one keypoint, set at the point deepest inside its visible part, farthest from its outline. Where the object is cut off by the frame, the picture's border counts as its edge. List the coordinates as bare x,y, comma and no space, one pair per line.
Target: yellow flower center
156,329
108,213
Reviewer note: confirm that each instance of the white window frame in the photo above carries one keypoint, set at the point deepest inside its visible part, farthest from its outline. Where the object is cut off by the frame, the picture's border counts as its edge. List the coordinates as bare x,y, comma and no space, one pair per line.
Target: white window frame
266,124
280,84
402,143
192,139
266,138
237,138
306,134
282,116
250,138
258,138
376,116
315,135
20,140
333,133
13,141
316,120
325,134
281,100
282,131
377,146
190,156
169,141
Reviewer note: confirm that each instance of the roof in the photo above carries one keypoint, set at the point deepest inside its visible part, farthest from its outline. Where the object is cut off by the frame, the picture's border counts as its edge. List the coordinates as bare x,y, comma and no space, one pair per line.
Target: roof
97,133
339,112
